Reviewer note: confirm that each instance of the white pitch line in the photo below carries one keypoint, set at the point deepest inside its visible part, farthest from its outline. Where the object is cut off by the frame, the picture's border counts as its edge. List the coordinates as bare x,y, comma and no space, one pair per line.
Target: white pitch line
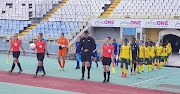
152,79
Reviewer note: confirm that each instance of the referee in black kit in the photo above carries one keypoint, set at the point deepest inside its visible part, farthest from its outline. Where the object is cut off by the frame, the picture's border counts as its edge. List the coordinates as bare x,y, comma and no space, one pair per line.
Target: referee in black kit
86,46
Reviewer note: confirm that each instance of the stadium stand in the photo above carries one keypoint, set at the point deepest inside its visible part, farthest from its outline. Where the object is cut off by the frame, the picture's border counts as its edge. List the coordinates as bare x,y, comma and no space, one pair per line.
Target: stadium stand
25,9
52,29
8,27
78,10
167,9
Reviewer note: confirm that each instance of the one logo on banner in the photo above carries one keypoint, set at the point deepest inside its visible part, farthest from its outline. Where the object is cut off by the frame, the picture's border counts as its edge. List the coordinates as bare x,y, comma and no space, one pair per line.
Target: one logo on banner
104,22
157,23
130,23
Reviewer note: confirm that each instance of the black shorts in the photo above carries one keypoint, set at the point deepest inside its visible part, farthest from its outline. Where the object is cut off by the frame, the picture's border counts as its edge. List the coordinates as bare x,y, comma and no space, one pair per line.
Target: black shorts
40,56
16,54
86,57
106,61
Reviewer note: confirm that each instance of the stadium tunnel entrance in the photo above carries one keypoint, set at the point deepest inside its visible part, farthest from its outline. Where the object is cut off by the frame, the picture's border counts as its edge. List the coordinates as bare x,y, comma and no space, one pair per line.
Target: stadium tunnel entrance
174,40
173,36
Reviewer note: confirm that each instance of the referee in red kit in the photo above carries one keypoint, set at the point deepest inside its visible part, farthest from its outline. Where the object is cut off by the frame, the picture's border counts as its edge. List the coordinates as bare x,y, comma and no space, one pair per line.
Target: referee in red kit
86,47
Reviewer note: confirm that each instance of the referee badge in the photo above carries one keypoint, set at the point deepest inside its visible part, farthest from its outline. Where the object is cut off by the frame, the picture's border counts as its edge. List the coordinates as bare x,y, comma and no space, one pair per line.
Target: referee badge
40,46
109,50
15,44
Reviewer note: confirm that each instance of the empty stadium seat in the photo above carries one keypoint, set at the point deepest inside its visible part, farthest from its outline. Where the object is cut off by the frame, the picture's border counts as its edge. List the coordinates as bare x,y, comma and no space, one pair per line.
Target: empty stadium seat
78,10
147,9
25,9
53,29
12,26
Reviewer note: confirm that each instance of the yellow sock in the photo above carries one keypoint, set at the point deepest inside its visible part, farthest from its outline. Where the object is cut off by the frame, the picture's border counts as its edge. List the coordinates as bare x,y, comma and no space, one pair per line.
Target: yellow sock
126,71
122,70
137,67
140,69
148,67
167,60
143,67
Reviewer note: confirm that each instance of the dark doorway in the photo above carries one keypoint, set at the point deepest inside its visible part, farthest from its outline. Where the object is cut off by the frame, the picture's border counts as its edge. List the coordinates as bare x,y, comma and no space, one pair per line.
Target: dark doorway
174,40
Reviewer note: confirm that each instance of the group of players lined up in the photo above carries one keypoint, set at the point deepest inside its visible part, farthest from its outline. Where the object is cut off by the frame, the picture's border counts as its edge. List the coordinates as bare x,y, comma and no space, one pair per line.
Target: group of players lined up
134,53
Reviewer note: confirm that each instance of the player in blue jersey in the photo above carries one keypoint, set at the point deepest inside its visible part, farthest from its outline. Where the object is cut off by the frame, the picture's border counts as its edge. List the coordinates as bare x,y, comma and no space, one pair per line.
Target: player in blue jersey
119,50
94,55
79,55
115,51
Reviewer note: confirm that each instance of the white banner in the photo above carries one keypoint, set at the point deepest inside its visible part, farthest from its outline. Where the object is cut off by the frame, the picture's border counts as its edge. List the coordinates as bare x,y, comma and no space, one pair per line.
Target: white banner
135,23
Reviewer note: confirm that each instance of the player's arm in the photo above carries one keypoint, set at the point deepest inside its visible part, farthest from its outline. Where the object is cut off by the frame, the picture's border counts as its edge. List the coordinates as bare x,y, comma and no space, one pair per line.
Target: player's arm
138,51
101,56
66,43
112,56
9,49
45,47
144,52
23,49
120,54
118,49
96,48
130,52
93,45
80,46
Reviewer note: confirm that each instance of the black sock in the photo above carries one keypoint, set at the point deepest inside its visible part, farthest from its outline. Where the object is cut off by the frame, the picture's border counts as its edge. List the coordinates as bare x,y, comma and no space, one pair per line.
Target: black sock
19,65
104,75
134,67
108,74
42,67
13,66
37,69
83,70
88,71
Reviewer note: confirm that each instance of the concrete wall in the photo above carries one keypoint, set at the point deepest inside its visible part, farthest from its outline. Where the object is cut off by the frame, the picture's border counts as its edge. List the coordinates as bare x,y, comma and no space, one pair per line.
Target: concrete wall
101,33
153,34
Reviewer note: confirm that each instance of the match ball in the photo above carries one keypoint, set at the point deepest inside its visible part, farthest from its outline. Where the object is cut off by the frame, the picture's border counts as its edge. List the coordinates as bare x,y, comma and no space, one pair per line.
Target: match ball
32,46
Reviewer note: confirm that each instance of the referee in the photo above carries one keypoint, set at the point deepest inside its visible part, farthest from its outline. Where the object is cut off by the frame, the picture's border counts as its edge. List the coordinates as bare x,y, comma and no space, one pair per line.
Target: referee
86,47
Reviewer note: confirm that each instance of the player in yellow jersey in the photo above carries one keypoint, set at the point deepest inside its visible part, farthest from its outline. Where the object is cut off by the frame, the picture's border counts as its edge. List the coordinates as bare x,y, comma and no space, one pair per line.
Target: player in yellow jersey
147,56
164,54
159,50
141,55
169,52
125,56
152,54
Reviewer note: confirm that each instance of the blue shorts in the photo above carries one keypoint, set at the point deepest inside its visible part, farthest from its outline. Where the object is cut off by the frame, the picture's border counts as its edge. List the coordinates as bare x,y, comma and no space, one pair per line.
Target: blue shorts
115,53
94,55
79,58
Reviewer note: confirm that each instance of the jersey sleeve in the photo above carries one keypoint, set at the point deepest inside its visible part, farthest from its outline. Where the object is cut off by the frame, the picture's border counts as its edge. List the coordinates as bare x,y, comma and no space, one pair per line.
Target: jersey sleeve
59,41
96,45
130,52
